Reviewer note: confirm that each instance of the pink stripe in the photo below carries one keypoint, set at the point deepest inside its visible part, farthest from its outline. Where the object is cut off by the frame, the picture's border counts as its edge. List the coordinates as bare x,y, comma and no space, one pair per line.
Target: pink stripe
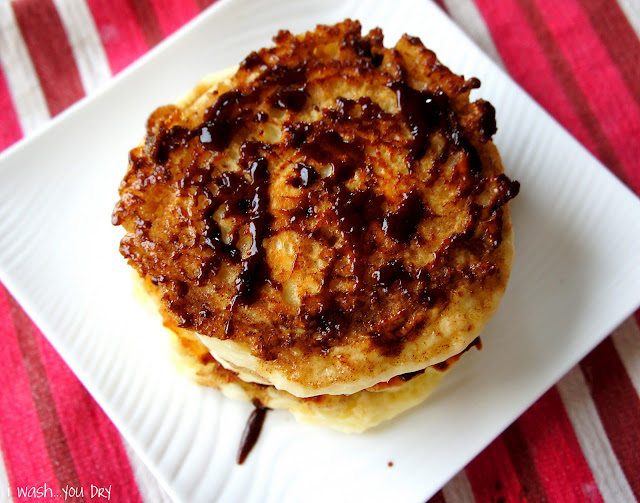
573,93
492,476
148,21
172,14
54,438
599,79
120,33
10,130
513,39
617,35
556,453
92,435
24,449
50,52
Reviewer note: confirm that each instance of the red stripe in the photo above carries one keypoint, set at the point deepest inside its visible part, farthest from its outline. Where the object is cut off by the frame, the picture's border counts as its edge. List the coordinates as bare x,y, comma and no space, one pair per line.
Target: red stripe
94,436
121,35
556,453
619,39
172,14
50,52
533,58
600,81
23,445
10,130
492,476
618,406
437,498
514,38
522,460
203,4
55,441
147,21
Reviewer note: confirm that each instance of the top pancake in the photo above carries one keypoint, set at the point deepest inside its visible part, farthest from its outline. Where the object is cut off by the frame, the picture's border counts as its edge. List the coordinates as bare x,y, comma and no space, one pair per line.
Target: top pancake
331,215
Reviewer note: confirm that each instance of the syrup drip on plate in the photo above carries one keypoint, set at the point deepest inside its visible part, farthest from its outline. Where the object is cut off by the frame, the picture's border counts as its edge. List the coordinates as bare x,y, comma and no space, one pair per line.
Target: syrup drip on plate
251,431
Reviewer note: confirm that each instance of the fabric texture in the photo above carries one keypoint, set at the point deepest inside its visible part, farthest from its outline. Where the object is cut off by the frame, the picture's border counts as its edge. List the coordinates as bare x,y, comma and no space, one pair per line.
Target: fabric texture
580,59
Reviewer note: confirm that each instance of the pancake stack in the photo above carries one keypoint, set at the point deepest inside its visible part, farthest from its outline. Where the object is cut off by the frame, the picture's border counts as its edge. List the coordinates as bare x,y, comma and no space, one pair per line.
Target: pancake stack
324,228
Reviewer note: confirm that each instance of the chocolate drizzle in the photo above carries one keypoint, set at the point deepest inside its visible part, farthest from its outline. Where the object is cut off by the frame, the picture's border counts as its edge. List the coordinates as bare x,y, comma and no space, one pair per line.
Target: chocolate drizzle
306,176
255,270
402,224
327,147
446,364
289,99
424,111
251,431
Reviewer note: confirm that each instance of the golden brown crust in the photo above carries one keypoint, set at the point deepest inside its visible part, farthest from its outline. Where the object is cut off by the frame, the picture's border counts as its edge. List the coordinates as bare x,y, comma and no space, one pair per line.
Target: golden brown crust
331,216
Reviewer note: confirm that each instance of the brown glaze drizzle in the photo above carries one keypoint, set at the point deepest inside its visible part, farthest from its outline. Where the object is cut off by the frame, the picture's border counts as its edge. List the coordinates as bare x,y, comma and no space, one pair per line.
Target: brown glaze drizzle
251,431
410,375
358,220
425,112
402,224
326,146
255,269
307,176
289,99
446,364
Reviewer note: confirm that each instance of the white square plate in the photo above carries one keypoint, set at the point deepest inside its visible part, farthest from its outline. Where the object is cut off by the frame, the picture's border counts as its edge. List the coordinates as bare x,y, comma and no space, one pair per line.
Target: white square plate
576,276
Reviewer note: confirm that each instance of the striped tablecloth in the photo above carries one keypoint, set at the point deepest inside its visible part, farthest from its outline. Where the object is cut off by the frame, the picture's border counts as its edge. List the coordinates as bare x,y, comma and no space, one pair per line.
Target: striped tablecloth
580,59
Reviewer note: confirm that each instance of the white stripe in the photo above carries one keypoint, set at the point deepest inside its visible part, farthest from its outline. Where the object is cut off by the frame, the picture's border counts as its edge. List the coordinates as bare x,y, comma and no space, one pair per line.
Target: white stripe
148,485
626,339
22,80
458,490
631,9
468,17
4,483
593,439
86,45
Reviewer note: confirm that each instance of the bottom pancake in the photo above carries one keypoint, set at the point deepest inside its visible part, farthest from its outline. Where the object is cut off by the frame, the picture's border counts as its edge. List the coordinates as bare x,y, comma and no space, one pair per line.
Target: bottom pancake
348,413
